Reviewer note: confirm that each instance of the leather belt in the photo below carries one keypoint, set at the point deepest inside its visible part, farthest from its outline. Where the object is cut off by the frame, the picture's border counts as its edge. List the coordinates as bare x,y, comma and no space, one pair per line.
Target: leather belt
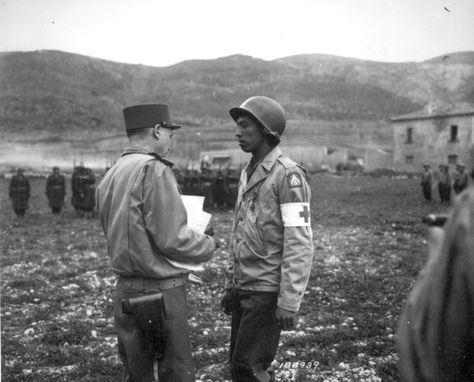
147,284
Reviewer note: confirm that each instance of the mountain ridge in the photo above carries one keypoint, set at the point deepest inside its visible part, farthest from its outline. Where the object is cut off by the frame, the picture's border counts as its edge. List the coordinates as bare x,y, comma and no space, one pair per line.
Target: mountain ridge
64,95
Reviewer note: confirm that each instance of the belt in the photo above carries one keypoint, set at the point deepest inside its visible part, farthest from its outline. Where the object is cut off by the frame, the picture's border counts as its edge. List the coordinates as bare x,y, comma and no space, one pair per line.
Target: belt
147,284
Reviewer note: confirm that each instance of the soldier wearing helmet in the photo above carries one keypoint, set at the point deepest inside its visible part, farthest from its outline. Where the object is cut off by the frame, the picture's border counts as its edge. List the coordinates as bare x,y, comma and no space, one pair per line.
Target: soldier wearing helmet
19,192
56,190
460,179
427,182
271,246
444,183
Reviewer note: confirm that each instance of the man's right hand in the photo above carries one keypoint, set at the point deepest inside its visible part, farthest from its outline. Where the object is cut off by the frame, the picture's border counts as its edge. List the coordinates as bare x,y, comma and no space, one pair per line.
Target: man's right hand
209,230
226,302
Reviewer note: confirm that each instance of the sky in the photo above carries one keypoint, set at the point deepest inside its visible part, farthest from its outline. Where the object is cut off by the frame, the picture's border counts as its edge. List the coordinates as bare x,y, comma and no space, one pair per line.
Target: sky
162,33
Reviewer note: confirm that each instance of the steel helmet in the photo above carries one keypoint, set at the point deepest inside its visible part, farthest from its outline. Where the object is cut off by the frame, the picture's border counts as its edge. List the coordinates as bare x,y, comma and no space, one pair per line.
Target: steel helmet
265,110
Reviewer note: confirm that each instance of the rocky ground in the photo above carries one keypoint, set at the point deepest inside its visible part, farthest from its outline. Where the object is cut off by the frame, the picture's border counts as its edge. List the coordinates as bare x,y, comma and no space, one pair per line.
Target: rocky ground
56,287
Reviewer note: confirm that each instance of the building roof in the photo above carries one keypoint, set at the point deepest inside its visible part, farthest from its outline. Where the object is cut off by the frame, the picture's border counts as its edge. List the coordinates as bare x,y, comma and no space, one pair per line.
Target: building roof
431,112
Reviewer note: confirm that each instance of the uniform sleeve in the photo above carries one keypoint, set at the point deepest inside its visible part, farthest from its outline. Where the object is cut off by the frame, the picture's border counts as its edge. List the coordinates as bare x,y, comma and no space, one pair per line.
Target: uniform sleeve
294,198
166,219
436,333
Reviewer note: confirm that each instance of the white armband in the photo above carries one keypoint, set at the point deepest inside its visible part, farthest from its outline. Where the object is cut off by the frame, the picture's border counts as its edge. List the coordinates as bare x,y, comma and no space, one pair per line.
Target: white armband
295,214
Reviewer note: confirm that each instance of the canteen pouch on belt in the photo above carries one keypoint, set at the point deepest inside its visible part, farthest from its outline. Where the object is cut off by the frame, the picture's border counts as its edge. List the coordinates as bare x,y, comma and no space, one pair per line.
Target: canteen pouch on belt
148,310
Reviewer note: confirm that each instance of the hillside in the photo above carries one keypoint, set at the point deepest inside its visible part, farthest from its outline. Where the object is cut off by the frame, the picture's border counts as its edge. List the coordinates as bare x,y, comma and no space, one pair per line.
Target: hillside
330,100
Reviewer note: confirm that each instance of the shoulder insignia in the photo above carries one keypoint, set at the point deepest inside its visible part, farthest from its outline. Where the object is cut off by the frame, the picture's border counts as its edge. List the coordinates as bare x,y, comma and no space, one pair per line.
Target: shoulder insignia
294,179
294,168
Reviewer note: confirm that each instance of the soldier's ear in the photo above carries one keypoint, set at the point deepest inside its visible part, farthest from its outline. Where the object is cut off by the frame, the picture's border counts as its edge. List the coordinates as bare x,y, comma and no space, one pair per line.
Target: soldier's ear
156,131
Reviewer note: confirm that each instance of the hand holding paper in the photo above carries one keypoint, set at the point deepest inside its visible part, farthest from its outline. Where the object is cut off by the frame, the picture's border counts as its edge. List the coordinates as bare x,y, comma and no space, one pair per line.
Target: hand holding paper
197,220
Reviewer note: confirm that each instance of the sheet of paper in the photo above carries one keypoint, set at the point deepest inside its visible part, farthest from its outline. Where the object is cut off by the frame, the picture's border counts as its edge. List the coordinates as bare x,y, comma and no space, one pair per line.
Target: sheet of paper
197,220
195,267
193,203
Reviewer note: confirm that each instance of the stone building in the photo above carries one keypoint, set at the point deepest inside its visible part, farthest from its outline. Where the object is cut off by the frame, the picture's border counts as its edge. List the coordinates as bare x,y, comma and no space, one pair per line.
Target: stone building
441,136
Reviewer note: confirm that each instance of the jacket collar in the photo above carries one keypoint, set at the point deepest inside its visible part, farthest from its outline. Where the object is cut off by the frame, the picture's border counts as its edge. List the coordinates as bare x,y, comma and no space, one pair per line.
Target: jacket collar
136,149
262,170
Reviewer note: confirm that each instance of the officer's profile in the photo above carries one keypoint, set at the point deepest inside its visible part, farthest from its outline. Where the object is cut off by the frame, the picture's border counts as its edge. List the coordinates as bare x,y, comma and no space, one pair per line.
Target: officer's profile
145,225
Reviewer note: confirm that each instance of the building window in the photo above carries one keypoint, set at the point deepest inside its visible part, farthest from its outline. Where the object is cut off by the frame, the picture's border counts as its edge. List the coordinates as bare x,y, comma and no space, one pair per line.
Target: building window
409,159
453,137
409,135
452,159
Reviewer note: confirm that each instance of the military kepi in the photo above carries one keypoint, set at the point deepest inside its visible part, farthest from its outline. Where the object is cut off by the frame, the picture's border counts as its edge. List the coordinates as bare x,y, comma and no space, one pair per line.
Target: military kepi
141,116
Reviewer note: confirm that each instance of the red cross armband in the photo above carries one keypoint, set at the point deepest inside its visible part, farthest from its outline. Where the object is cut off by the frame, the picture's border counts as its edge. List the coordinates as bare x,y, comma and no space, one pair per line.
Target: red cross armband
295,214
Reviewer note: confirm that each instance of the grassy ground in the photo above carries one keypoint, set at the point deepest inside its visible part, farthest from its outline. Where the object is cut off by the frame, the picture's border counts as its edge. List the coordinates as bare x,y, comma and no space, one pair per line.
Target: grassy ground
56,289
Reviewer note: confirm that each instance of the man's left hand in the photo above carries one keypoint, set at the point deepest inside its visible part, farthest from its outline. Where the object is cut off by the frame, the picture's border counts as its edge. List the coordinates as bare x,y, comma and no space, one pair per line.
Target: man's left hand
285,318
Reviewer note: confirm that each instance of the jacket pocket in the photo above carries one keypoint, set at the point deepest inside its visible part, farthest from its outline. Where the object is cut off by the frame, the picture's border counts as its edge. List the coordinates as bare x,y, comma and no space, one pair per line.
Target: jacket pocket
251,229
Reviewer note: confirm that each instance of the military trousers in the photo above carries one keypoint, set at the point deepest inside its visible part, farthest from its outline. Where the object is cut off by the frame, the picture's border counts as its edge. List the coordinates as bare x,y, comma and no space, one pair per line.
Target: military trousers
444,191
426,191
254,336
168,344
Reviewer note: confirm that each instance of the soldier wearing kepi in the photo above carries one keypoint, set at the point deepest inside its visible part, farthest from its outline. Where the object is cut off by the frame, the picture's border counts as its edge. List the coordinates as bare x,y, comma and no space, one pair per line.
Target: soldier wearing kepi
56,190
19,192
145,223
271,246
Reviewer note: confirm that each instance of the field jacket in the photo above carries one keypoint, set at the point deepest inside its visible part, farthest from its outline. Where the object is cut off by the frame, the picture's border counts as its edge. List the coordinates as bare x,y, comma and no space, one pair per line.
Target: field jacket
271,246
144,219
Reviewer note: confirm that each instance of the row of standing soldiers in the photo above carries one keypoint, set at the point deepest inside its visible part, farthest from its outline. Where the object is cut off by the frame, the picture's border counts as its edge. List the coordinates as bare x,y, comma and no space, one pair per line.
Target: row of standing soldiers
82,188
218,187
446,181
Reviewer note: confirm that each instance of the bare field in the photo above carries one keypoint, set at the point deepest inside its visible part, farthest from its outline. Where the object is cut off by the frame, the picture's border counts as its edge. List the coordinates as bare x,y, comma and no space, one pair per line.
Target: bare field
56,289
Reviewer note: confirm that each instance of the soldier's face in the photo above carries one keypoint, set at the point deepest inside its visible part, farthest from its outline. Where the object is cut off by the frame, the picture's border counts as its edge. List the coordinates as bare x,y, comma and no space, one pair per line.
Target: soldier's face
249,134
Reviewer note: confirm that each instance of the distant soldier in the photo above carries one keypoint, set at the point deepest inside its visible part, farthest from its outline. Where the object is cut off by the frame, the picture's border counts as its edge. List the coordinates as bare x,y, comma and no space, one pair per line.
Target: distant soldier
427,182
194,184
205,165
233,181
56,190
83,190
444,184
220,189
185,188
206,187
19,192
460,179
